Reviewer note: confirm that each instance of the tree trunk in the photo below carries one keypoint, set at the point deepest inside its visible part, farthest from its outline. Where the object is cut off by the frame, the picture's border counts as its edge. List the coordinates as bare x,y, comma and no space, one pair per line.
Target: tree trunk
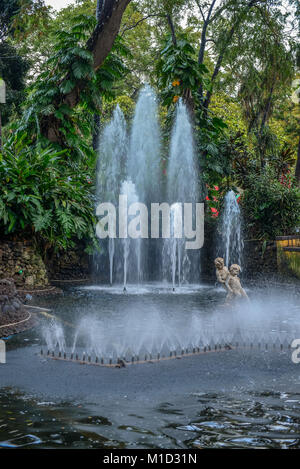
203,43
102,39
97,123
99,8
96,131
170,22
297,172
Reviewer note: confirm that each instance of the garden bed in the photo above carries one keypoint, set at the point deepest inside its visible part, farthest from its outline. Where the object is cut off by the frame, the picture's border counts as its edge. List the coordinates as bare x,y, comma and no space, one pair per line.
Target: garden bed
13,316
15,322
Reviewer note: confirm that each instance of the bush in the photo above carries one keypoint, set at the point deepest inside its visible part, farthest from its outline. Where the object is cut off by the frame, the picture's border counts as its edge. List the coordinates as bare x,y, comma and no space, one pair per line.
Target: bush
271,208
41,197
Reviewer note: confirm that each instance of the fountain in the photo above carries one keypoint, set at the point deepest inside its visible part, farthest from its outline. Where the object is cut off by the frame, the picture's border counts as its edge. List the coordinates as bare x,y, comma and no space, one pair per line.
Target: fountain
143,168
231,242
110,171
131,247
144,154
181,187
137,328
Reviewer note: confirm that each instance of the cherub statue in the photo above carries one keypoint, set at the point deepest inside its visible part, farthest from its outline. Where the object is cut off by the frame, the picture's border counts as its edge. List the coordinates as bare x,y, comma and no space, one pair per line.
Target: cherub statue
222,272
233,284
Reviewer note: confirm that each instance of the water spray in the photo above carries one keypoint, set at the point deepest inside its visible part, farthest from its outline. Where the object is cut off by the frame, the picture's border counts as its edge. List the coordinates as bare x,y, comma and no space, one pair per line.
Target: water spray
173,354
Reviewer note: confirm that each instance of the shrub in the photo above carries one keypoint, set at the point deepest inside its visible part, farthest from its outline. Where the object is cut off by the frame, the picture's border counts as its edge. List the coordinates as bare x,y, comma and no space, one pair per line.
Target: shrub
271,208
41,197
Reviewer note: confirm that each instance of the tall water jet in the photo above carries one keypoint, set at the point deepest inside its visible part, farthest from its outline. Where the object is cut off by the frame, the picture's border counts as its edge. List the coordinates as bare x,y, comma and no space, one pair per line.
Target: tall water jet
231,240
54,336
111,169
131,247
145,147
143,168
182,187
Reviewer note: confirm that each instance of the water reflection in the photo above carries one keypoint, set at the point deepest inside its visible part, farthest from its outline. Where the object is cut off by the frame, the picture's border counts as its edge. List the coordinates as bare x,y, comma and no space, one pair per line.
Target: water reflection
208,420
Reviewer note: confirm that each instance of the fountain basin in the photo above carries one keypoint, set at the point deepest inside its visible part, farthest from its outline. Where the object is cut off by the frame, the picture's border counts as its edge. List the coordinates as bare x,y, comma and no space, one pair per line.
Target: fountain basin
201,400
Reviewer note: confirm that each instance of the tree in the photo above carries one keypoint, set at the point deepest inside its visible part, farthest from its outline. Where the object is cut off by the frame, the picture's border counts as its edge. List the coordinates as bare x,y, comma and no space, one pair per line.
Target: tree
13,69
69,65
264,72
297,170
17,17
75,83
96,130
227,16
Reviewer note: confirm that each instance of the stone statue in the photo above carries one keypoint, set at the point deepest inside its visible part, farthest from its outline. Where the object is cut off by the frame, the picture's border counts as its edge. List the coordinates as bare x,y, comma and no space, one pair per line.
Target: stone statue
222,272
233,285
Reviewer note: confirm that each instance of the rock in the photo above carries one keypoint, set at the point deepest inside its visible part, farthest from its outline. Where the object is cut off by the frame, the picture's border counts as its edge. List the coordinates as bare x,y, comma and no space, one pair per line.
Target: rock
29,281
16,304
21,262
8,308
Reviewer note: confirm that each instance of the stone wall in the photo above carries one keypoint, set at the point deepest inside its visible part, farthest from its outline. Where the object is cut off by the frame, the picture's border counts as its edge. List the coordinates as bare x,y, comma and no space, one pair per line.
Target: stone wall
20,262
71,264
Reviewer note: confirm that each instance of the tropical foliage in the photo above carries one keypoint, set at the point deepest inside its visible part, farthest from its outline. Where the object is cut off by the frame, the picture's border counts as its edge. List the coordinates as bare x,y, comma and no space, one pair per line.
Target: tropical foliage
233,62
70,63
272,207
41,198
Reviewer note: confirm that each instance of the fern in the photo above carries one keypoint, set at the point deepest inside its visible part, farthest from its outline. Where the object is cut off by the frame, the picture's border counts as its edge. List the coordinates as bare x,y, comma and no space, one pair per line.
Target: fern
42,221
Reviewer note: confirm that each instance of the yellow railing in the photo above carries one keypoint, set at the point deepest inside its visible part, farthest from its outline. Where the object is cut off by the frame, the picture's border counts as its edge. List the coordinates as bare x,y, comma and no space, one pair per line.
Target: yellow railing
288,254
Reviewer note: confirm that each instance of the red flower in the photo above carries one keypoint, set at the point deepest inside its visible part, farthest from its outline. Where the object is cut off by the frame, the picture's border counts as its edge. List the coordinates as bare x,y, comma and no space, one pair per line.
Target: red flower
215,212
216,188
207,198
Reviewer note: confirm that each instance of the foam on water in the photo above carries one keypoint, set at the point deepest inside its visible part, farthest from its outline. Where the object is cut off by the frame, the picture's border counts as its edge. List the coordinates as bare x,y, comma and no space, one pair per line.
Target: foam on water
141,326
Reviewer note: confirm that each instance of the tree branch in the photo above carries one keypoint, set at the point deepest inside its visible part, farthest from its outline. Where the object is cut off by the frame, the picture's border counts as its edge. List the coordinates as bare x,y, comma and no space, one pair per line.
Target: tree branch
128,28
203,34
200,9
231,32
203,42
99,8
172,28
102,39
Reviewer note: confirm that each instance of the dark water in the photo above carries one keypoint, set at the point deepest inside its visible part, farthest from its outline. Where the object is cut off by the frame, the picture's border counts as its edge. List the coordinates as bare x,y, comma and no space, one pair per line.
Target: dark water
208,420
255,416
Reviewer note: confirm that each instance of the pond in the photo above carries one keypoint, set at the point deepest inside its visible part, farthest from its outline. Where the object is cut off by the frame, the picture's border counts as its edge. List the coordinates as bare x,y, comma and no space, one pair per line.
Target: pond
240,397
